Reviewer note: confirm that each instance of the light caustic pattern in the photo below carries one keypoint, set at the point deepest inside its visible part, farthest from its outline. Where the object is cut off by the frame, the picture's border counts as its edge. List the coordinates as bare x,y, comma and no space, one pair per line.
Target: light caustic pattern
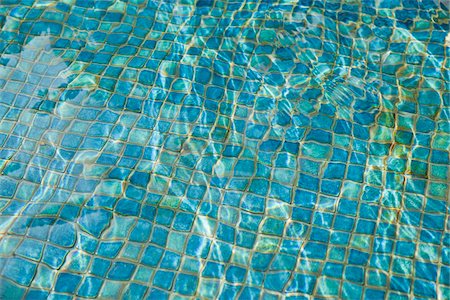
219,149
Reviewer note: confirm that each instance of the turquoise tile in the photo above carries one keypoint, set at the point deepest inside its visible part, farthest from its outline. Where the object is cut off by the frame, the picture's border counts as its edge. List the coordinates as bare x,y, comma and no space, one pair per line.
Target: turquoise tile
186,284
19,270
302,283
121,271
30,249
276,281
163,279
67,283
90,287
94,221
235,274
9,289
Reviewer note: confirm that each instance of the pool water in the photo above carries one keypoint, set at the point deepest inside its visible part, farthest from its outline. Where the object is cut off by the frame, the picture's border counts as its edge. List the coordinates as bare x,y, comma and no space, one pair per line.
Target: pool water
224,149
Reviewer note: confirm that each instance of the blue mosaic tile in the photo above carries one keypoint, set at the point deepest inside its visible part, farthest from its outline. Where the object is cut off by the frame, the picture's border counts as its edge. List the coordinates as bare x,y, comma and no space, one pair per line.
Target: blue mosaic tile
67,283
219,150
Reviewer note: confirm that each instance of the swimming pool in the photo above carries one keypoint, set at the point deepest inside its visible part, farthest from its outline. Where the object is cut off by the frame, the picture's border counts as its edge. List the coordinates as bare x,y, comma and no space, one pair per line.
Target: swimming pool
224,149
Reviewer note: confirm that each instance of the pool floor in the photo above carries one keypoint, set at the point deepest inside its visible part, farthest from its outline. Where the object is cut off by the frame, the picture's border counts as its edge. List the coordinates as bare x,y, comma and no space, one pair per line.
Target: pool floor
210,149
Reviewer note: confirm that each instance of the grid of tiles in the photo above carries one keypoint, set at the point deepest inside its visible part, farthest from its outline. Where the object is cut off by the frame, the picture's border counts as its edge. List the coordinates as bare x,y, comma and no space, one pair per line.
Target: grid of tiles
221,149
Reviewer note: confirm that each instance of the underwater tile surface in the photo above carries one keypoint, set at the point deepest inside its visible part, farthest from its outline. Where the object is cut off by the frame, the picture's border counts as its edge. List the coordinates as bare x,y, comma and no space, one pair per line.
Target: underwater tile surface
224,149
